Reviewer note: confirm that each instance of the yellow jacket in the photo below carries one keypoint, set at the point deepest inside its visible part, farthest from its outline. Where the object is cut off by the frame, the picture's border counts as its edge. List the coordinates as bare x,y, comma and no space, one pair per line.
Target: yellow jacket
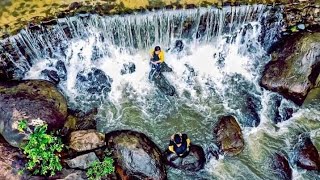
161,55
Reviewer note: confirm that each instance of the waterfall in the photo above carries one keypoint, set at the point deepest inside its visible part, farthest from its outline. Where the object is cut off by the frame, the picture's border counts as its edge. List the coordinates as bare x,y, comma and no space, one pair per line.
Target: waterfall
137,31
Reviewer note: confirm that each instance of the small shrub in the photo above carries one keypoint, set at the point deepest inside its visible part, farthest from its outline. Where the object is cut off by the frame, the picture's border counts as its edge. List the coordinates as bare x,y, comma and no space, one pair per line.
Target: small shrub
22,125
100,169
40,150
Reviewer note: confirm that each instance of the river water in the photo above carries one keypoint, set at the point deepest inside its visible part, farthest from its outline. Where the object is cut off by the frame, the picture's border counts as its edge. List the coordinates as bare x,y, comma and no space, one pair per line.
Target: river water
216,73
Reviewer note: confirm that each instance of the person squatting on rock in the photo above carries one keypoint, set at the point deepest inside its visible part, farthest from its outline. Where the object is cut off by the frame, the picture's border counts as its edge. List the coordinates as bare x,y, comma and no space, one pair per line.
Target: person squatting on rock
156,58
179,144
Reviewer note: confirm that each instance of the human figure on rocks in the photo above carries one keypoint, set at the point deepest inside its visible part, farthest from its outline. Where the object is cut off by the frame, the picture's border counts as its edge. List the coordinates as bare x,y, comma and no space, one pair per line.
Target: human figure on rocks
157,61
179,144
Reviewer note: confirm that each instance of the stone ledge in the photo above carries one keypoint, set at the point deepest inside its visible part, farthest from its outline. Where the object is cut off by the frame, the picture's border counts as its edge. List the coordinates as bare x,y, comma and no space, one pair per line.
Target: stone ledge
17,14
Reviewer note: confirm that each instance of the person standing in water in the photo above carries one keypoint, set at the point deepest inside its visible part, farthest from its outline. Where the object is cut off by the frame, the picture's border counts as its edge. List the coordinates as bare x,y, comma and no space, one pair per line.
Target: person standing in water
179,144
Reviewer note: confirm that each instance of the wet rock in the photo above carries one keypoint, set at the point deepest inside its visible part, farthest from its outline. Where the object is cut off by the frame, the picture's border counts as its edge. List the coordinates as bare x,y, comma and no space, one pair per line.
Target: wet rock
62,70
307,156
294,69
128,68
248,103
29,100
78,120
178,46
94,82
136,155
64,174
165,68
229,136
313,99
194,161
11,161
281,167
83,161
51,75
164,86
280,109
84,140
250,111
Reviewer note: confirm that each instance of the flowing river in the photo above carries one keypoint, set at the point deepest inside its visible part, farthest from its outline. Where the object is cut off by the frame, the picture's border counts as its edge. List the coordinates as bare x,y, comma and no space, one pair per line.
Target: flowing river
216,71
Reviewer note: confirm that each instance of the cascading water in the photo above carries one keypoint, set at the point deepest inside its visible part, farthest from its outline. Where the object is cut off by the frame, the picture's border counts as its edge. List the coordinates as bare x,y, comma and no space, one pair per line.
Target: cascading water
216,71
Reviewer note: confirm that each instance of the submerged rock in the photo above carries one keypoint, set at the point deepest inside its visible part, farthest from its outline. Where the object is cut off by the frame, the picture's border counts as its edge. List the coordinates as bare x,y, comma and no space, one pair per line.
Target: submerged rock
94,82
229,136
84,140
281,167
128,68
307,156
29,100
294,69
83,161
161,81
136,156
194,161
51,75
62,70
11,161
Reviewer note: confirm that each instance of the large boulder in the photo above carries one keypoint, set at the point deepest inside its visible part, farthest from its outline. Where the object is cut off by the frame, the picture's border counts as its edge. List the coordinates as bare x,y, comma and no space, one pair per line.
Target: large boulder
307,156
280,167
84,140
194,161
29,100
229,136
136,155
295,67
11,161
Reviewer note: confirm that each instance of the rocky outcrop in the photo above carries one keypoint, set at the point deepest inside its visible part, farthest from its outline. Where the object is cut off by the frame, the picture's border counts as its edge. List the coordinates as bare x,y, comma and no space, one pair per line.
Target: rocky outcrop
83,161
295,68
30,100
228,135
11,161
136,156
281,167
84,140
194,161
307,156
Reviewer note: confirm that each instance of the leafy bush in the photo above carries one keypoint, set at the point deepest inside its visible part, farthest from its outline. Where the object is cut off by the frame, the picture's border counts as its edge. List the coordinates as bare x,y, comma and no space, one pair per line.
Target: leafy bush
40,150
22,125
100,169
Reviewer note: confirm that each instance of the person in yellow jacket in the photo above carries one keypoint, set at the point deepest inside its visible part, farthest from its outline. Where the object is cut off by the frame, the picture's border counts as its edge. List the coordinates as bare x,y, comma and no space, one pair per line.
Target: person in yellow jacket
179,144
156,58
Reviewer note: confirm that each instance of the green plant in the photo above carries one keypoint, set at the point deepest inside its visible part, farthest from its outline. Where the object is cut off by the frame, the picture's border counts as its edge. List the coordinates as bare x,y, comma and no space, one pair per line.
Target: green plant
99,169
40,150
22,125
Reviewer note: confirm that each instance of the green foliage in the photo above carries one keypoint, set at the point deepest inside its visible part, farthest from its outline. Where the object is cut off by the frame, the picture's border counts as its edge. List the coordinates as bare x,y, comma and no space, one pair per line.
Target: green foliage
40,150
22,125
100,169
